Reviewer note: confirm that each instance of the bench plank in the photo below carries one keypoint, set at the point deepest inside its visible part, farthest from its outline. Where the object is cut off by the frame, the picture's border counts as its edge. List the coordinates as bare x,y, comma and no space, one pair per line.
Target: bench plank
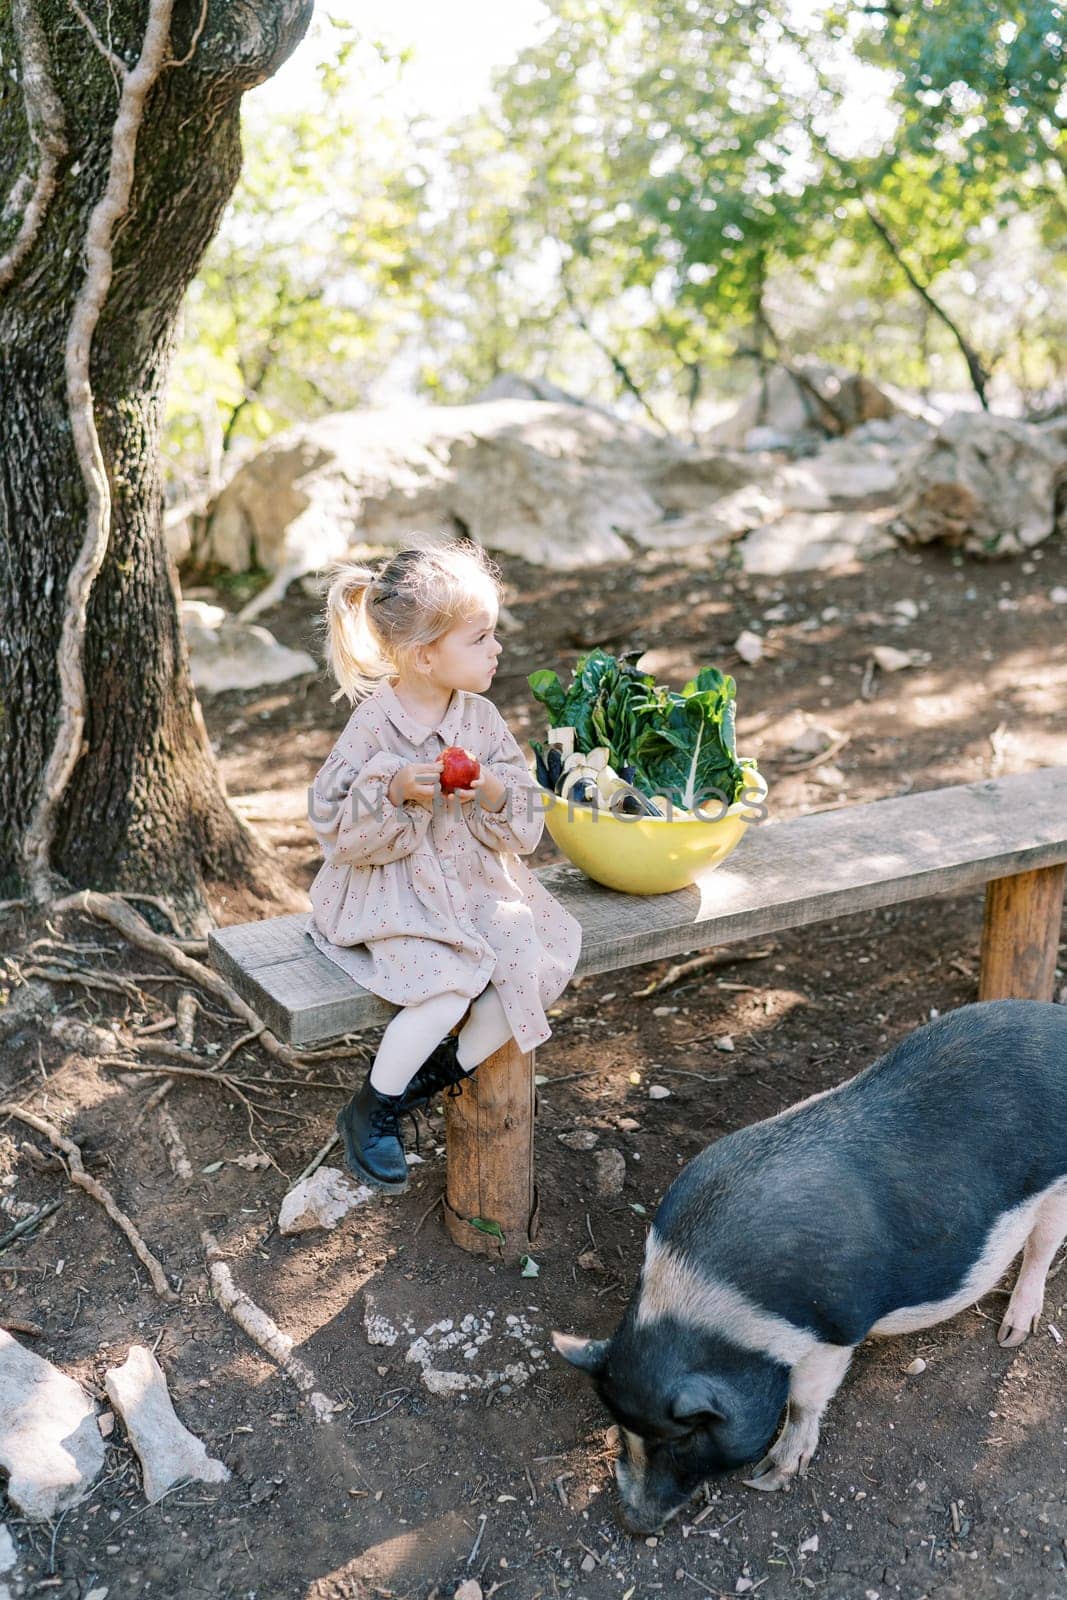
783,875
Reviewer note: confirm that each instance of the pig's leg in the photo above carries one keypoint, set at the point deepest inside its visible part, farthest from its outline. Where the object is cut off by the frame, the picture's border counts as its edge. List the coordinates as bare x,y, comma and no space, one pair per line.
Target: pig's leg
1028,1296
813,1383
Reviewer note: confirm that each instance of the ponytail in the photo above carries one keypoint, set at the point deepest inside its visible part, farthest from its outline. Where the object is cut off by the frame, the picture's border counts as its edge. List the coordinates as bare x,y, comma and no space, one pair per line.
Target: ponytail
354,653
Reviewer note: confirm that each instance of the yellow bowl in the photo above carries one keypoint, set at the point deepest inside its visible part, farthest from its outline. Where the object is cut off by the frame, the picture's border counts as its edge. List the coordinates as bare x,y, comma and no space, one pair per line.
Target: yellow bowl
649,855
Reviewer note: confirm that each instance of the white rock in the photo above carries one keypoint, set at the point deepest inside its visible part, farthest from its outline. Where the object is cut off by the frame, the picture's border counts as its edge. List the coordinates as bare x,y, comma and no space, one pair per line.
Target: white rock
778,406
829,776
85,1037
914,1368
49,1441
106,1423
610,1173
579,1139
321,1201
808,1547
469,1589
889,659
548,480
725,1042
168,1452
984,483
378,1328
656,1091
813,740
8,1554
905,610
1058,595
238,655
749,647
817,542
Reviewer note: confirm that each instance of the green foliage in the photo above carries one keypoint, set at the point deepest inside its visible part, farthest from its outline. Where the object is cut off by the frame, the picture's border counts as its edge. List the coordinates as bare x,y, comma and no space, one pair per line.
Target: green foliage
651,192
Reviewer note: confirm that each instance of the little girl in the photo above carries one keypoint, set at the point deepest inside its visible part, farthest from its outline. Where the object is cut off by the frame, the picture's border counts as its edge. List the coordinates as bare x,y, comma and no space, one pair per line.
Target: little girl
422,898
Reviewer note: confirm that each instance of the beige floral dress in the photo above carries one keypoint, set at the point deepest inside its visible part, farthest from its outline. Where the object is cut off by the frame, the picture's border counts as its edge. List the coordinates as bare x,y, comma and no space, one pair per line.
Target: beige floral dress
413,903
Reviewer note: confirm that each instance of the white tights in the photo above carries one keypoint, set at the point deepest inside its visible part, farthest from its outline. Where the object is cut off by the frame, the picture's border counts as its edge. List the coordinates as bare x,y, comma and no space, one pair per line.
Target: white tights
416,1030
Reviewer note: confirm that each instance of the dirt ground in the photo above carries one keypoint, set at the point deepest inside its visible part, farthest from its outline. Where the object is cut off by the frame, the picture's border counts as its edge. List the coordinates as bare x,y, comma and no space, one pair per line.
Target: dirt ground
949,1483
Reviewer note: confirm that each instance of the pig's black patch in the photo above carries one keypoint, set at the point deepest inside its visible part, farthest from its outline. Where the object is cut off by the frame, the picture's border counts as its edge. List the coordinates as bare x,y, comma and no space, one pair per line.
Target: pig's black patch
883,1194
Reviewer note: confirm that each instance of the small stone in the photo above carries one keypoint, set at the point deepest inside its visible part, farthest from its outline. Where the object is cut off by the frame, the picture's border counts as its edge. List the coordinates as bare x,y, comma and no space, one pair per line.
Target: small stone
1058,595
106,1423
652,1541
84,1037
749,647
100,1593
631,1125
168,1451
725,1042
657,1091
610,1173
321,1201
809,1546
913,1368
590,1261
469,1589
378,1329
579,1139
589,1564
889,659
254,1161
905,610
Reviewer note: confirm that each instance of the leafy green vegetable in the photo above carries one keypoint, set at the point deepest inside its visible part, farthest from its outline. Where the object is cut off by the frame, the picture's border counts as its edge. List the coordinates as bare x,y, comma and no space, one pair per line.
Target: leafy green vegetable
681,745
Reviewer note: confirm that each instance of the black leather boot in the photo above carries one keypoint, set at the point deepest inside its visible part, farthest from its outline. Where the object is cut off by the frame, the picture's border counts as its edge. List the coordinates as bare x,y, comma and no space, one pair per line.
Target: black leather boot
440,1070
371,1132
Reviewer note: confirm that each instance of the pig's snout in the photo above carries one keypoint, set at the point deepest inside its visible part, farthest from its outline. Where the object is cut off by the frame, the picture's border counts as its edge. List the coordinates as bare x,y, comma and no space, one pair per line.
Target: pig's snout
647,1498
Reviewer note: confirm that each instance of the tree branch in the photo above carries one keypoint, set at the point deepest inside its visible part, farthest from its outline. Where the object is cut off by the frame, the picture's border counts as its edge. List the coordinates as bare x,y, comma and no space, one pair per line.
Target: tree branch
88,305
44,118
979,375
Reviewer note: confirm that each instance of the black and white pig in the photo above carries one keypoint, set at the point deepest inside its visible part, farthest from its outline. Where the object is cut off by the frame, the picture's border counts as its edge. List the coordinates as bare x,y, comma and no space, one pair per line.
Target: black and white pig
885,1205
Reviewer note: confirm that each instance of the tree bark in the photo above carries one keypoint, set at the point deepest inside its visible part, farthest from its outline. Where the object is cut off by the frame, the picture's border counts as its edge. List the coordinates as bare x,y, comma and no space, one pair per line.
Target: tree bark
145,805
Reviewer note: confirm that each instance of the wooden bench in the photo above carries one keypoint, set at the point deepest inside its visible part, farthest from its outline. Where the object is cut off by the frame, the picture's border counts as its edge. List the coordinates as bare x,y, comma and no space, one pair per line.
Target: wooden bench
1009,834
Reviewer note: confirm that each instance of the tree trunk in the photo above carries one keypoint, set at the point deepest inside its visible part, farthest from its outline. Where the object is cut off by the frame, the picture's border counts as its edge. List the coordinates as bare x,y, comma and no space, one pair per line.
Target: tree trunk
144,807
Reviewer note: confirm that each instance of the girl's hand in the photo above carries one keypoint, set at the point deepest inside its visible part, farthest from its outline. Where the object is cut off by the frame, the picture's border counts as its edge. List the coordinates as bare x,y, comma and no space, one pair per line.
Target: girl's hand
486,787
419,781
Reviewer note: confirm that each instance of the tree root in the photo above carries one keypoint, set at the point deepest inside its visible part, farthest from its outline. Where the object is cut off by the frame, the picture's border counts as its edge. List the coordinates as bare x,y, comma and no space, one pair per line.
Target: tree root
79,1176
250,1318
111,908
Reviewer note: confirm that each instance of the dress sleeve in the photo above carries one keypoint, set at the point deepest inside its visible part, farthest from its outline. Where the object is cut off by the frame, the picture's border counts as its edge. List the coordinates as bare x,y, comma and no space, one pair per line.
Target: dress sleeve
520,822
356,823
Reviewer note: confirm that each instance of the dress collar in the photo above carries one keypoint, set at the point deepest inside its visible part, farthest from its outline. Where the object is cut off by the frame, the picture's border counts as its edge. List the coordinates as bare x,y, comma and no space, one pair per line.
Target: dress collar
410,726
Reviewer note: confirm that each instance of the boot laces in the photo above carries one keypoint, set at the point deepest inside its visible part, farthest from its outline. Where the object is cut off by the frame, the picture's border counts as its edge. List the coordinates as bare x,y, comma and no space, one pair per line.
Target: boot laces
383,1120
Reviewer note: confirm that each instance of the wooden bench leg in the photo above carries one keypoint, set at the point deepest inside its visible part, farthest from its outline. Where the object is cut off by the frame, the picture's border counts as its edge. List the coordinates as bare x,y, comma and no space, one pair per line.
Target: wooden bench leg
1021,935
489,1142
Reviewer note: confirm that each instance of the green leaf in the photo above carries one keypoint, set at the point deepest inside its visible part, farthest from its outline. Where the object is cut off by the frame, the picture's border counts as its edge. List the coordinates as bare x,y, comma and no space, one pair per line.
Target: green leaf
482,1226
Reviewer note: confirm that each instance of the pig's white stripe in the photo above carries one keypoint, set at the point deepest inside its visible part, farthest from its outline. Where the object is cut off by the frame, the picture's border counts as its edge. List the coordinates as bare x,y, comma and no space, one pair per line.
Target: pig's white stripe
672,1287
1005,1239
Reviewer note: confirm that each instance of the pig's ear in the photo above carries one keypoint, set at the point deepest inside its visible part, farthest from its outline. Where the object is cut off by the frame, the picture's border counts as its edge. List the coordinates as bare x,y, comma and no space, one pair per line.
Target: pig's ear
698,1396
587,1354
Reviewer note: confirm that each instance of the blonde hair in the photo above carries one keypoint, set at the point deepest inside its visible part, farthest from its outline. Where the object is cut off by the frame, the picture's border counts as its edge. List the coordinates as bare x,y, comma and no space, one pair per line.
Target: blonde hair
375,620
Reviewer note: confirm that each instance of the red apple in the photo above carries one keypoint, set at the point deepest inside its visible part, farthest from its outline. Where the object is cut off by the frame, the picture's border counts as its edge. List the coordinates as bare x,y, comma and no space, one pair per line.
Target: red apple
460,769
